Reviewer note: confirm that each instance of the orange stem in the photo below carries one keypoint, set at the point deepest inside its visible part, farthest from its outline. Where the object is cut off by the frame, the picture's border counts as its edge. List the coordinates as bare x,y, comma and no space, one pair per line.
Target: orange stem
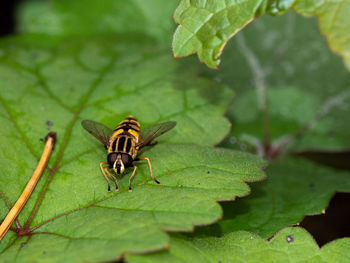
16,209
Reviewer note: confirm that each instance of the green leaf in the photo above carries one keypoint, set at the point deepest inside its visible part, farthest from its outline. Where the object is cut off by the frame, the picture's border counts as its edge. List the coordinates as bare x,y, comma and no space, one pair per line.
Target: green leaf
206,26
52,85
192,178
89,17
286,70
333,17
295,188
289,245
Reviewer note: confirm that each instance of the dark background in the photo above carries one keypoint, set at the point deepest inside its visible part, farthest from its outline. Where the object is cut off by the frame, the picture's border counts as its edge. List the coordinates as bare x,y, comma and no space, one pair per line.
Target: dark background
324,228
335,222
7,18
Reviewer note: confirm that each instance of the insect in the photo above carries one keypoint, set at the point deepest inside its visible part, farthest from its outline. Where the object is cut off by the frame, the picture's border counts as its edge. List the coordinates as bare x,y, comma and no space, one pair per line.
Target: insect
123,144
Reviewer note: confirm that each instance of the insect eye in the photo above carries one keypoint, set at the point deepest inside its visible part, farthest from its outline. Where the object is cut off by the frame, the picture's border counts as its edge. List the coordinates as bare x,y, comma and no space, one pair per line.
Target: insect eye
127,159
112,157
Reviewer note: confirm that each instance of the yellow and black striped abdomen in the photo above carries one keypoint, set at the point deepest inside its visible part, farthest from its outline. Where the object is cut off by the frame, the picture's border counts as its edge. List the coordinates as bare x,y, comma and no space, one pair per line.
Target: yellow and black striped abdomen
129,125
125,137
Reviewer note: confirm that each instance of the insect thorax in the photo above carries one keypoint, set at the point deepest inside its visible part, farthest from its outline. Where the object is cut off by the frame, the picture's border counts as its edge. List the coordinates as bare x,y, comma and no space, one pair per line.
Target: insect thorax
125,137
123,143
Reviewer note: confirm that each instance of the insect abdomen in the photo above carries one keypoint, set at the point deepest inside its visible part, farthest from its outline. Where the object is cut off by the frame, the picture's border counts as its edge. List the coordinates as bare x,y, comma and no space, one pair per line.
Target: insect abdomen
129,125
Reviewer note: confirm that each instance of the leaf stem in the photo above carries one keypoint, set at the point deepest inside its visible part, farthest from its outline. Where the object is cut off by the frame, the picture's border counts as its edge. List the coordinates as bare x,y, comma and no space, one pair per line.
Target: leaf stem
259,74
16,209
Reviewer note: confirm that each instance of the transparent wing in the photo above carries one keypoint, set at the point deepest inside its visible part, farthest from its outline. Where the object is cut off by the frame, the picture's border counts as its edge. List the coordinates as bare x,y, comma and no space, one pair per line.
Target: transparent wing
100,131
148,134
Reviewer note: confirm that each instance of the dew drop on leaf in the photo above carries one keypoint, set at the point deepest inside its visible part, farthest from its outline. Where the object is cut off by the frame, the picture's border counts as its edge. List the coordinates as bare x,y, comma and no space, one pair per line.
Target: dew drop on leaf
289,239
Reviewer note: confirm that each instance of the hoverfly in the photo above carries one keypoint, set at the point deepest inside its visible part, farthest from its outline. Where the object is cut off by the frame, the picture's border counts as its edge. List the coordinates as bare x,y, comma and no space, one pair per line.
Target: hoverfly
123,144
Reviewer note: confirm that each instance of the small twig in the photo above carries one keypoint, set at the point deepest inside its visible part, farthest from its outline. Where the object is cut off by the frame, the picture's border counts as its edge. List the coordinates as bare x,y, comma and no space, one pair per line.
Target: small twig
13,213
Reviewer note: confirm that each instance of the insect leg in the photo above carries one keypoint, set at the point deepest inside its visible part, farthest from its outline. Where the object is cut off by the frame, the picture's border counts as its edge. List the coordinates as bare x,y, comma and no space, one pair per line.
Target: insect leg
114,179
104,174
131,177
150,168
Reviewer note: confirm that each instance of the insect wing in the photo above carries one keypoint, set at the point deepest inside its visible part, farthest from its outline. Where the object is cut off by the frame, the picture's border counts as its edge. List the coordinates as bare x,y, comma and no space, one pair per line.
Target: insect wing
148,134
100,131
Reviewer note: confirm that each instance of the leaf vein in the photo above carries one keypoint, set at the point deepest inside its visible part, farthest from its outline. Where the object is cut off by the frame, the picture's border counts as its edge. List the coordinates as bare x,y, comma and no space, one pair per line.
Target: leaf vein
65,142
14,122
